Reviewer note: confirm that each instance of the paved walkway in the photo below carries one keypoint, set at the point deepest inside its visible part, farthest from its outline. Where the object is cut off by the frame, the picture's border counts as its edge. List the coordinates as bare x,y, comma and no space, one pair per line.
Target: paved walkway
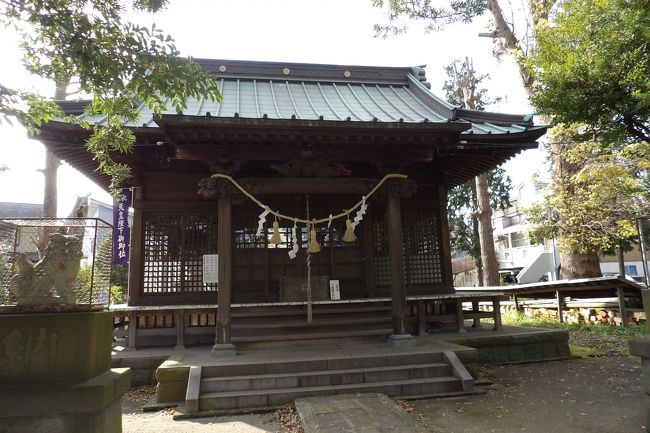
353,413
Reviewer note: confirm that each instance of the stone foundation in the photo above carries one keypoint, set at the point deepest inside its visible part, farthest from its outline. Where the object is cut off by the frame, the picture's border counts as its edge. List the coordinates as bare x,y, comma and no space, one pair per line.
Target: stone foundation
55,374
524,347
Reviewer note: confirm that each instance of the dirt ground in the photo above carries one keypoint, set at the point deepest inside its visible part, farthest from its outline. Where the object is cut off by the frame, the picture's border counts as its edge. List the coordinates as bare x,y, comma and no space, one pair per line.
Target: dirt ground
590,395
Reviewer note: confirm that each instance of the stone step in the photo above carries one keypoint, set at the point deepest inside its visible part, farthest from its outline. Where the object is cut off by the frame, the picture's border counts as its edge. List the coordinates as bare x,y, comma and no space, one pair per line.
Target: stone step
324,377
297,322
301,333
244,312
280,396
320,364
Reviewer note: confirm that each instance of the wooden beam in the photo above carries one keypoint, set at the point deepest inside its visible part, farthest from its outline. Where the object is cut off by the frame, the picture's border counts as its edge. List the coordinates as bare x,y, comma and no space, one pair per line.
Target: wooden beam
210,187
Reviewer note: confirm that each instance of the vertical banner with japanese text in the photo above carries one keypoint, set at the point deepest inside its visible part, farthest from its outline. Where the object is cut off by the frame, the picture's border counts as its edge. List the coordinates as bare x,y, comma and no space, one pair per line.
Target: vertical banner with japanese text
121,233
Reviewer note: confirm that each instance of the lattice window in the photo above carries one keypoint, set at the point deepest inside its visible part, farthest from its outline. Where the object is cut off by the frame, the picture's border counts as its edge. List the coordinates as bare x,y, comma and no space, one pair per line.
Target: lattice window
422,252
199,238
245,222
173,250
380,250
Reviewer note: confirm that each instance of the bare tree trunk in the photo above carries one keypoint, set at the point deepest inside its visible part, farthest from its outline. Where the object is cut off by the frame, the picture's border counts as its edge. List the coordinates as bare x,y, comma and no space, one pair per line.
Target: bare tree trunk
475,228
51,169
486,238
572,263
50,190
575,265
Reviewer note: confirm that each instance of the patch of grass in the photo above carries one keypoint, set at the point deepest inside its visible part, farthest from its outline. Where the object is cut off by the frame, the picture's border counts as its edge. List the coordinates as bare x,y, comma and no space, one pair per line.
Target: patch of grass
538,322
583,351
586,340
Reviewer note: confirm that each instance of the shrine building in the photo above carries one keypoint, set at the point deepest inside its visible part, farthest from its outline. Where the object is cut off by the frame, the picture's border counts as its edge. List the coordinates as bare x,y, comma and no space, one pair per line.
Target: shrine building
293,143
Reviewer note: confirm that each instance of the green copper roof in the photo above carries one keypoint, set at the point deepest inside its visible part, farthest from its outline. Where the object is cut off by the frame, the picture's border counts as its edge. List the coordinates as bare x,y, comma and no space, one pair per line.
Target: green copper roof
256,90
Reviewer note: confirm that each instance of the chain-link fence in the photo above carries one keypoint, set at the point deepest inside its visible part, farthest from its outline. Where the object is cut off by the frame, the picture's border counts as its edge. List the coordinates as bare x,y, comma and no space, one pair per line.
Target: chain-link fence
30,237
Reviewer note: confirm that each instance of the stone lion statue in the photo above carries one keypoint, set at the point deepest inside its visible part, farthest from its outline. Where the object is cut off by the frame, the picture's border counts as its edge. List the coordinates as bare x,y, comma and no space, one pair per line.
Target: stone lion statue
51,280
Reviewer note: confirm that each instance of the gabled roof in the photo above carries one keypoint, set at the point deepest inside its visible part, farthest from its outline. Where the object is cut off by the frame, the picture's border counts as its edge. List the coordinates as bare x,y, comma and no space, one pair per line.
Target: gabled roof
270,90
386,113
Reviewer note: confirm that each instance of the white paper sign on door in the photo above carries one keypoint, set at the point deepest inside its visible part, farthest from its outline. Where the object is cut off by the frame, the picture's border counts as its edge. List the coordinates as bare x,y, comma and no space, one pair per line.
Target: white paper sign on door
335,290
210,268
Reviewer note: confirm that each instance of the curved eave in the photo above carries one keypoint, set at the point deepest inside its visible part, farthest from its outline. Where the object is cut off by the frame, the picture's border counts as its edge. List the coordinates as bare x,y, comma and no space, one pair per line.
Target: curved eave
68,143
168,120
533,133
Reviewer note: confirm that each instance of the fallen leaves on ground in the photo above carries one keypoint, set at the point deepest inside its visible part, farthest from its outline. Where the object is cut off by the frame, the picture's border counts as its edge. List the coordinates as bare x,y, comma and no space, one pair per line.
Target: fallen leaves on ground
288,418
141,393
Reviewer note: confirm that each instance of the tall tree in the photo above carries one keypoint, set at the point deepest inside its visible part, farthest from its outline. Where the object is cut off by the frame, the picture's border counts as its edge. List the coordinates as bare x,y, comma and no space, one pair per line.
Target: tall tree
592,72
573,263
464,88
116,62
592,67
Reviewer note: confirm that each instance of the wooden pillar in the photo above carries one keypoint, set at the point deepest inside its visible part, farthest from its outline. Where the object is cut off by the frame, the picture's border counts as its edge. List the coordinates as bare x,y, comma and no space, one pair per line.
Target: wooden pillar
369,255
224,285
395,246
179,319
560,304
133,326
620,293
136,250
460,316
422,318
477,320
496,309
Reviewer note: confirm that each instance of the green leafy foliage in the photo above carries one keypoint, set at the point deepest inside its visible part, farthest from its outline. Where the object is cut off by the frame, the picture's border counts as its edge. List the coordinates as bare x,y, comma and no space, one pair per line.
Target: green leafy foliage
592,66
435,14
117,295
83,283
116,62
601,197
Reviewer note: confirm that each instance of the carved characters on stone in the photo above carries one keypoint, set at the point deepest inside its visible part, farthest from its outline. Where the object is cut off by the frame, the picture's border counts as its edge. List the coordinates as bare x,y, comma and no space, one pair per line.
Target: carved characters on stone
27,353
51,280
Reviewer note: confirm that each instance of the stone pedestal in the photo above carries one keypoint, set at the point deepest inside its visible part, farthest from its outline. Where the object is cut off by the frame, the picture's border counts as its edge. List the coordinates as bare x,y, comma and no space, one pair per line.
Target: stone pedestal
641,347
55,374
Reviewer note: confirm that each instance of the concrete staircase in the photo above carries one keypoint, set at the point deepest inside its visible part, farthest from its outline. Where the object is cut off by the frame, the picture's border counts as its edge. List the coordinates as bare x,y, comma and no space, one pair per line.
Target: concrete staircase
224,388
